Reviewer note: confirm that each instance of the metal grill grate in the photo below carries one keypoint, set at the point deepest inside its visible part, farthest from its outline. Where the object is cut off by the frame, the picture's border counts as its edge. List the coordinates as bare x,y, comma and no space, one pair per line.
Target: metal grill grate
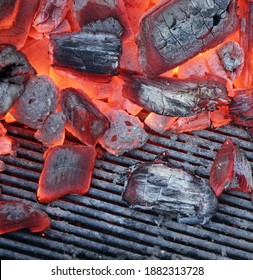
100,226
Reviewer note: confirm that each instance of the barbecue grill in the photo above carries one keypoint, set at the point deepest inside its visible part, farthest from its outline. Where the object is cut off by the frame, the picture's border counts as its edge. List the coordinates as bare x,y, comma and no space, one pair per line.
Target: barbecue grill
100,225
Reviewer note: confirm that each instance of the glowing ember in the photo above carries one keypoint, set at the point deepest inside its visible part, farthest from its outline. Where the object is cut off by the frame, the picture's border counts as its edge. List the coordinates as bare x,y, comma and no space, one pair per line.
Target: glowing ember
67,169
16,215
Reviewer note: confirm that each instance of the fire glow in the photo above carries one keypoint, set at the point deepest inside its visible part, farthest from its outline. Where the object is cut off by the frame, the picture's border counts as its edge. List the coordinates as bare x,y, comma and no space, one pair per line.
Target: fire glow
92,66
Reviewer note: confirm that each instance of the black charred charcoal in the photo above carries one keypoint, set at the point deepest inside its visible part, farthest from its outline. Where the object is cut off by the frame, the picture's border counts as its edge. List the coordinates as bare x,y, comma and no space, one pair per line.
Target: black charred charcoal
174,31
84,120
107,25
87,52
67,170
52,132
170,191
174,97
36,103
241,107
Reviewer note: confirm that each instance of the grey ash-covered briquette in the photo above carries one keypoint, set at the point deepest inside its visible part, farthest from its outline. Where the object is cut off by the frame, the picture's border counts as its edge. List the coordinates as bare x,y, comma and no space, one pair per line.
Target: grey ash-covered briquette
174,31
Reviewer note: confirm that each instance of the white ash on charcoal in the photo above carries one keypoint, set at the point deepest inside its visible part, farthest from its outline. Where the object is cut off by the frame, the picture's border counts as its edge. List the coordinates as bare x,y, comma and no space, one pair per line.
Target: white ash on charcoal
67,169
52,131
172,32
97,53
171,191
84,119
91,10
51,13
231,170
124,134
175,97
14,71
107,25
19,23
15,215
38,100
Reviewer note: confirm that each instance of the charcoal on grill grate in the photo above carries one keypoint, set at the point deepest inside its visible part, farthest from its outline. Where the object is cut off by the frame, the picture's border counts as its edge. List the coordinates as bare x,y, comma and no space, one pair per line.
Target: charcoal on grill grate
83,51
36,103
14,71
175,97
174,31
231,170
67,170
17,215
170,191
52,132
84,119
2,168
107,25
125,133
3,130
16,32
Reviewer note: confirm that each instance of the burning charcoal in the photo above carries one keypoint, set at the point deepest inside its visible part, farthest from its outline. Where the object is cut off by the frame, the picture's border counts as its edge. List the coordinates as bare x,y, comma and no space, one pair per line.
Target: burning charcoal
3,130
173,31
92,10
16,215
50,14
232,58
170,191
17,33
5,145
36,103
197,122
87,51
220,117
241,108
125,133
8,13
159,123
84,120
175,97
52,132
107,25
2,168
230,170
67,170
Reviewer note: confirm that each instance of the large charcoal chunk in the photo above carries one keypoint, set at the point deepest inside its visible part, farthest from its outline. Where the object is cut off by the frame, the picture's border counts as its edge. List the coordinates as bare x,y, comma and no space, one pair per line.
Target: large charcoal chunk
87,51
174,97
67,169
176,30
36,103
84,120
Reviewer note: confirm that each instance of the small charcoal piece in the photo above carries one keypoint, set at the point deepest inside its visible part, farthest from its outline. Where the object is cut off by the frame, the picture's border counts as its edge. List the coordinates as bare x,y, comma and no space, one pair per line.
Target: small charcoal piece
107,25
174,97
87,51
17,33
241,107
232,58
17,215
67,170
171,191
2,168
5,145
125,133
91,10
84,120
50,14
36,103
14,71
231,170
52,132
174,31
3,130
